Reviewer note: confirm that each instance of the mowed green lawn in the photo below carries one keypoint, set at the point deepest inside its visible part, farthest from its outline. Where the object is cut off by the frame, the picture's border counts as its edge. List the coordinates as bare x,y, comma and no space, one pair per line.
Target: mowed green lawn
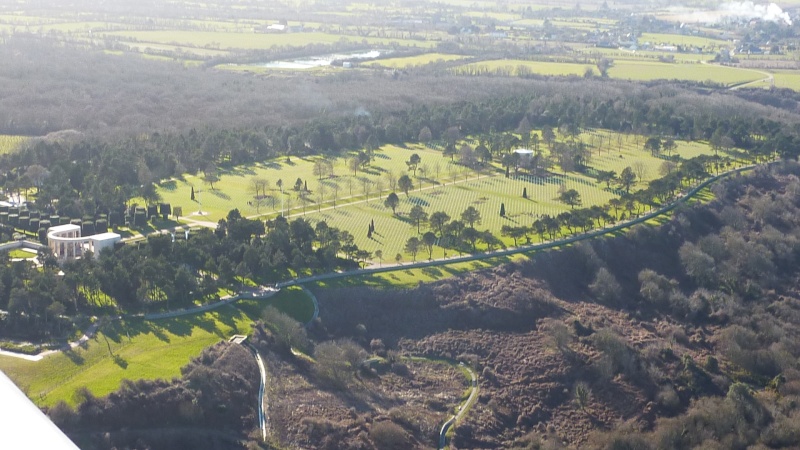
233,190
452,191
141,349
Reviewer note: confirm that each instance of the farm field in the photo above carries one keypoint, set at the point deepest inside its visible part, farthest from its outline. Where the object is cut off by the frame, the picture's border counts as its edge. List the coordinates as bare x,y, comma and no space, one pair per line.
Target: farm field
707,44
8,143
644,55
411,61
249,41
142,349
646,71
637,70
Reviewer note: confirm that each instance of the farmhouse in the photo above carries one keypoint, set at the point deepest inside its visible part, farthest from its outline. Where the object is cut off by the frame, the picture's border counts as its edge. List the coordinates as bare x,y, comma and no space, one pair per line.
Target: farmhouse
66,242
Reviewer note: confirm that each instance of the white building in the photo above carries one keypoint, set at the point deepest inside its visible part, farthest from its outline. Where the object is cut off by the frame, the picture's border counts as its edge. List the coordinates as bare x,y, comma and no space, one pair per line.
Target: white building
525,156
66,242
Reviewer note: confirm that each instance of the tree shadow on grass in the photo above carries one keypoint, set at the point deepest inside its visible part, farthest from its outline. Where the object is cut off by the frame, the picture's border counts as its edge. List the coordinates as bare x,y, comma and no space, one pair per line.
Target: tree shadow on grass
74,356
220,194
432,272
120,361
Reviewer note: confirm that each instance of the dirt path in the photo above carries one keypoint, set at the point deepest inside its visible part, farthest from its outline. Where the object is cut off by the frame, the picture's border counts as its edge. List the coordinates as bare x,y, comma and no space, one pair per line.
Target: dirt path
462,410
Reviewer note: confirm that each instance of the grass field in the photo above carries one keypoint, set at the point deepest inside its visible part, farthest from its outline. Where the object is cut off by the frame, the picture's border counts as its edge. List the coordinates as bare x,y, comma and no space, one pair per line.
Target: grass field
9,143
249,41
454,190
646,71
19,253
637,70
411,61
233,191
141,349
707,44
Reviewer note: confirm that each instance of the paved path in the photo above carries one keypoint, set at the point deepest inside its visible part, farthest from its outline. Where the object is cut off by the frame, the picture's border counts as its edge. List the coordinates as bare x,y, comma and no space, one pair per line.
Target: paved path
38,357
263,293
462,410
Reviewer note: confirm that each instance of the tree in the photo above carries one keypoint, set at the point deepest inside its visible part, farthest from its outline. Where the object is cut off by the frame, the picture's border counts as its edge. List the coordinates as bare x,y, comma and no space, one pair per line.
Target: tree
412,246
210,174
606,287
627,178
392,201
570,197
397,258
279,183
320,168
192,197
471,216
438,220
413,163
524,192
425,135
417,215
405,184
606,176
502,209
582,395
450,150
429,239
379,255
669,145
298,184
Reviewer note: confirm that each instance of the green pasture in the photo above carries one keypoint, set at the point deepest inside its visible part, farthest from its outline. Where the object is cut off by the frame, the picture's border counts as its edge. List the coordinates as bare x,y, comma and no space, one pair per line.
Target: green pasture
251,41
680,39
9,142
411,61
637,70
137,349
787,79
233,190
646,71
644,55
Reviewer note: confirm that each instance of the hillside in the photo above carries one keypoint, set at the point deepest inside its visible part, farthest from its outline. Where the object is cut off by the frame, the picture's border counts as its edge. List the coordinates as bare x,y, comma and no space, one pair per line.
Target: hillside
677,336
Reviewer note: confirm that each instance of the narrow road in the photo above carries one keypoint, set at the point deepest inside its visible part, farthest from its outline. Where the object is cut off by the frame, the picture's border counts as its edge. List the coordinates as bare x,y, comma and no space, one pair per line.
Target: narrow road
262,396
462,410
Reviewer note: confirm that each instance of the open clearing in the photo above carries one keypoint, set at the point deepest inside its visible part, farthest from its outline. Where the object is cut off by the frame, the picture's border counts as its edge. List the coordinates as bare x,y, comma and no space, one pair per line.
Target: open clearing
412,61
138,349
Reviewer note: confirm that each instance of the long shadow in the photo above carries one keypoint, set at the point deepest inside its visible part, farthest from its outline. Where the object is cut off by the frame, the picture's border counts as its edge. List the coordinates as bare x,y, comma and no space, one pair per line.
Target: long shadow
220,194
73,356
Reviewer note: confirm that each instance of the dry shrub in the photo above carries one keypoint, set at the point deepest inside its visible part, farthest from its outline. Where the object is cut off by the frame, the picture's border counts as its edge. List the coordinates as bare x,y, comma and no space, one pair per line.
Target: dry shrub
389,436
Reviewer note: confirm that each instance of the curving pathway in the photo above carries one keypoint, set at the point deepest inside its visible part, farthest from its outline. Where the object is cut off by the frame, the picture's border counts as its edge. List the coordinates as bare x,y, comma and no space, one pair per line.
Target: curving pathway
462,410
